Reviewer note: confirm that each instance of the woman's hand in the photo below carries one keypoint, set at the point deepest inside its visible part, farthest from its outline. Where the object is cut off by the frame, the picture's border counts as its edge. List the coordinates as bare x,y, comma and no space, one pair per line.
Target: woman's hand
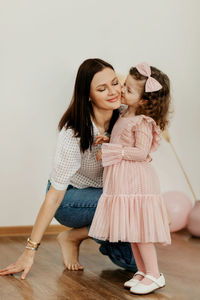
51,203
100,139
99,155
23,264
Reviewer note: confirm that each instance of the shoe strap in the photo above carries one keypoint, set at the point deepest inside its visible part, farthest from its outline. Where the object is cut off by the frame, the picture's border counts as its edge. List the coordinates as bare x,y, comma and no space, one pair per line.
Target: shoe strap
139,273
153,279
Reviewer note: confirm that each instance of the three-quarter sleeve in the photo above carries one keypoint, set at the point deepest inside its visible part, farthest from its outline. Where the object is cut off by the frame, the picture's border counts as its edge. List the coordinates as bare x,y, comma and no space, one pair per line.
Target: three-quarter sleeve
114,153
67,159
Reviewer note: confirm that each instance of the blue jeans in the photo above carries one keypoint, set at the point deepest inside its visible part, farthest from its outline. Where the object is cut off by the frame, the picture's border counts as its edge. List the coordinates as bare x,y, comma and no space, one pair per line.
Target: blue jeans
77,210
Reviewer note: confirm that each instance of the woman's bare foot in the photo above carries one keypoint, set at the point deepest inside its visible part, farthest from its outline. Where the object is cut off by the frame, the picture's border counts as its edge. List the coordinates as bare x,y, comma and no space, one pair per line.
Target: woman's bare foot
69,242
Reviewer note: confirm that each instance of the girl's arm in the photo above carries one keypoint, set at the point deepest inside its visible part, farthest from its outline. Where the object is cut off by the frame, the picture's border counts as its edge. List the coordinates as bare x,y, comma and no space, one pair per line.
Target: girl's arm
51,203
114,153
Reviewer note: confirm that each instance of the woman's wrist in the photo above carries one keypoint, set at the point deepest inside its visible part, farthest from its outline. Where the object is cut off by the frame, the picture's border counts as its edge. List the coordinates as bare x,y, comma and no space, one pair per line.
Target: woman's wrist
29,252
31,245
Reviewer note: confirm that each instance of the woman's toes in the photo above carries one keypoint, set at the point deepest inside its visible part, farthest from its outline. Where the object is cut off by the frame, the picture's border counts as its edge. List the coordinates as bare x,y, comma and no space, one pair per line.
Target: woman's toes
80,267
76,267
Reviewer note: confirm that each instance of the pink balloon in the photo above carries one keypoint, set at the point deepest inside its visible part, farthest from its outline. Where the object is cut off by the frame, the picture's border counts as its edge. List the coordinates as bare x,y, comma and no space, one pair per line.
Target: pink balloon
179,206
194,220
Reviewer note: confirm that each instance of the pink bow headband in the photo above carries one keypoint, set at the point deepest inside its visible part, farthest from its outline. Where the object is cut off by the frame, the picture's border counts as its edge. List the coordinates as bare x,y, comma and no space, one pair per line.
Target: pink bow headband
152,85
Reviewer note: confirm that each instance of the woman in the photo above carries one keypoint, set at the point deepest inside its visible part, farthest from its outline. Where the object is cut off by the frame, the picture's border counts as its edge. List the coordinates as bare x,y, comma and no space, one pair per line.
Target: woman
75,183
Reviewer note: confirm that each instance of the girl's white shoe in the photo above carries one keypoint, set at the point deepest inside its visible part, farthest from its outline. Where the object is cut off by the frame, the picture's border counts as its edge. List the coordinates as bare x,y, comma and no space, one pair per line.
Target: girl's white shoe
132,282
143,289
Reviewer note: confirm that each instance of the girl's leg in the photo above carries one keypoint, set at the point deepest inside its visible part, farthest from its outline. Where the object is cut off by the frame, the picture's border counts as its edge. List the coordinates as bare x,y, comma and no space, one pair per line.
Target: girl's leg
138,260
149,257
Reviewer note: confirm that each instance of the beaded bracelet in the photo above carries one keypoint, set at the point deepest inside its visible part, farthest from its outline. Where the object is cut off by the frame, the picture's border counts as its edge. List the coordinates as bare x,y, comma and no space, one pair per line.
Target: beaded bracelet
30,248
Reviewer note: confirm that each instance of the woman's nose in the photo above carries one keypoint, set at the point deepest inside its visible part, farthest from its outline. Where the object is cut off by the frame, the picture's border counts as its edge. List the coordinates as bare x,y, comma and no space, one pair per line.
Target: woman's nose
112,90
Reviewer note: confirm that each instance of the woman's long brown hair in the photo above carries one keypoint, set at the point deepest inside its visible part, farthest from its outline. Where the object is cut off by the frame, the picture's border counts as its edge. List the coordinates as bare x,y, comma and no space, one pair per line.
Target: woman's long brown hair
78,115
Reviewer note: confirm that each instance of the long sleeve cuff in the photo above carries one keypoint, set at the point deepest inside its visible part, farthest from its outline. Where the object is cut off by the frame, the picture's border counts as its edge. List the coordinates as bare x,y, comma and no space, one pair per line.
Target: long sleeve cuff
58,186
111,154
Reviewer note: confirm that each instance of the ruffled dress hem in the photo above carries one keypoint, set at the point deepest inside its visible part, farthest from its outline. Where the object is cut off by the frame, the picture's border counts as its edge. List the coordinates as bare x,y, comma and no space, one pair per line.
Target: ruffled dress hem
131,218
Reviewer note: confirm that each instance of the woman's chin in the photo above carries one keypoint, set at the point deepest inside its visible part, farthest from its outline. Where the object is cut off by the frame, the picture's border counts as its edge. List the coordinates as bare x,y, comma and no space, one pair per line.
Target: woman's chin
116,104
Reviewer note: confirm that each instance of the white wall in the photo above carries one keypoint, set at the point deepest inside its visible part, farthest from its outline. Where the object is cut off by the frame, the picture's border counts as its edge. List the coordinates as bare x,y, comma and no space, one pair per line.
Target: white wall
42,44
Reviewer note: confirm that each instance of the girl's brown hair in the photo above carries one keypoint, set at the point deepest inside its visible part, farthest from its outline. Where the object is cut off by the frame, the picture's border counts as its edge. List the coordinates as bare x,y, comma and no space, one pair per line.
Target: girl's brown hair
155,104
78,114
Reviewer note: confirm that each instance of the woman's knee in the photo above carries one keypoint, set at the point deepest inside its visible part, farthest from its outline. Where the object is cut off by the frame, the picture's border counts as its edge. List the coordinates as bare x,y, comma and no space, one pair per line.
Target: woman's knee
78,206
74,217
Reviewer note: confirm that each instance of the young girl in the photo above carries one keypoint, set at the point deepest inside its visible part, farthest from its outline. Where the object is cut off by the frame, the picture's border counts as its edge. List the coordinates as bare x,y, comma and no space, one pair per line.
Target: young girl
131,208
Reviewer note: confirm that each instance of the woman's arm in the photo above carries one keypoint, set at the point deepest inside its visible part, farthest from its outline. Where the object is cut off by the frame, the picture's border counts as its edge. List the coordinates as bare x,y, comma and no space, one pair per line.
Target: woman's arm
51,203
47,211
67,161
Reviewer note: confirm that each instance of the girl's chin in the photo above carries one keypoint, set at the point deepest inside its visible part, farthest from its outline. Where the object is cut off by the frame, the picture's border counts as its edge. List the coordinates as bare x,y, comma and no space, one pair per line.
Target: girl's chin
123,102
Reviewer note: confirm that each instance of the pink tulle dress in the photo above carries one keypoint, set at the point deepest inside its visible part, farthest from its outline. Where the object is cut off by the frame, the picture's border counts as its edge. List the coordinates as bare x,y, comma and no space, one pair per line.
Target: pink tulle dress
131,208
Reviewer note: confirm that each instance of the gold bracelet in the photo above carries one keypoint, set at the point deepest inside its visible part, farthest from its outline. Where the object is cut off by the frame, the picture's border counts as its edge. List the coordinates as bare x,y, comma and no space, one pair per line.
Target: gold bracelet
31,246
34,244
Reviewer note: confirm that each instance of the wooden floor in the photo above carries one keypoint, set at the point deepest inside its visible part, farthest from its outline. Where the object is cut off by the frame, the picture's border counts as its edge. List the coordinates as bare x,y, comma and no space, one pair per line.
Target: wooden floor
101,279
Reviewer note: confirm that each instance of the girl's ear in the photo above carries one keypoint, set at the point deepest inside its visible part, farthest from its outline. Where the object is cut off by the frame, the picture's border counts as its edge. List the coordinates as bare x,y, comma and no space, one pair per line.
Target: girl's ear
142,101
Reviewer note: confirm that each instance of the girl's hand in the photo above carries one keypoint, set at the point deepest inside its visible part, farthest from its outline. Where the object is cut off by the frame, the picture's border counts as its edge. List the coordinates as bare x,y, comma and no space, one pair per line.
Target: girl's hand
23,263
99,155
100,139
